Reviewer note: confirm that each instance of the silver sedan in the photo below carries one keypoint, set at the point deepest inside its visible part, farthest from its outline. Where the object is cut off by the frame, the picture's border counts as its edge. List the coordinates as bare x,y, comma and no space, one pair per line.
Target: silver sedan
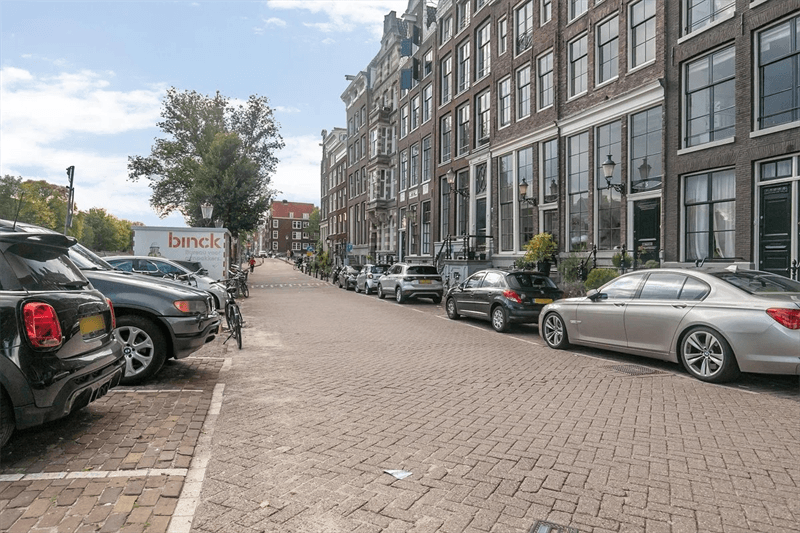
716,323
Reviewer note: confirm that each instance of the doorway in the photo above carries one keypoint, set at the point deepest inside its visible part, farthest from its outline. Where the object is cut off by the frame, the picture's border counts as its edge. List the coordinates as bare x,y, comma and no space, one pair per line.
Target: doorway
775,237
647,230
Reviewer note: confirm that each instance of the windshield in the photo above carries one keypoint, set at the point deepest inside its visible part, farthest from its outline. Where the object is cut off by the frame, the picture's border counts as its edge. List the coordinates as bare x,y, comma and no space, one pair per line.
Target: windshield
38,267
86,259
760,282
430,270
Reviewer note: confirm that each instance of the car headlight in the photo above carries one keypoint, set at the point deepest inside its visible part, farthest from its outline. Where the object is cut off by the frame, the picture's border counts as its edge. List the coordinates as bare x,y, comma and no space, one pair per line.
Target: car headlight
191,306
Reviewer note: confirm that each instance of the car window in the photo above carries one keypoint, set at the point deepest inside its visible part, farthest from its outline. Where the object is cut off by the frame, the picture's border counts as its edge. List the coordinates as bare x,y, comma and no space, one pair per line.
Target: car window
87,259
123,264
378,269
662,286
39,267
423,269
694,289
759,282
141,265
527,281
474,281
166,268
623,288
493,280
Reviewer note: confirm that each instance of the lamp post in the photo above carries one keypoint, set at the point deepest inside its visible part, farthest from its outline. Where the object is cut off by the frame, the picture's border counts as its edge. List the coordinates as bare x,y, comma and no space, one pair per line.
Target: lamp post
608,172
523,194
207,210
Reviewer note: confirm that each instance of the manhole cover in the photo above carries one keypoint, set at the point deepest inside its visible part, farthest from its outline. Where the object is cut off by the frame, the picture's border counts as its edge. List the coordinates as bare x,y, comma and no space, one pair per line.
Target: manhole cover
548,527
635,370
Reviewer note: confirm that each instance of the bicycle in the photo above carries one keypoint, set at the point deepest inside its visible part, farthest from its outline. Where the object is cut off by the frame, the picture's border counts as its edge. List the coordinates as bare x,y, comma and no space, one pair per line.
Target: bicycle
239,279
233,315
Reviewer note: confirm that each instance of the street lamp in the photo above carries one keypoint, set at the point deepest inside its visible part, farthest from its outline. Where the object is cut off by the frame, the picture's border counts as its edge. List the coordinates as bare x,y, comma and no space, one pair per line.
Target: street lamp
207,209
451,181
644,173
608,172
523,194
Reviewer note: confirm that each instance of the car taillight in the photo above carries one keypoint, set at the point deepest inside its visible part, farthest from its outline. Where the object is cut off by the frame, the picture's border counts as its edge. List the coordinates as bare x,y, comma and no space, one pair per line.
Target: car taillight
41,325
789,318
513,296
113,316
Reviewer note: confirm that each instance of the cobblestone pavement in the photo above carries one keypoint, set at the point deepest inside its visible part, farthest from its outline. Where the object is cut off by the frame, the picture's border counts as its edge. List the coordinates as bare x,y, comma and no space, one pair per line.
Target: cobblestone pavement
294,433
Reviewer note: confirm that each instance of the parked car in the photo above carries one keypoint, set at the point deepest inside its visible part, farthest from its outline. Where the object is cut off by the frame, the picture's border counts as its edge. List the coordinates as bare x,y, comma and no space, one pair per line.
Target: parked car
347,276
367,279
156,319
59,352
502,297
406,280
195,267
161,267
716,323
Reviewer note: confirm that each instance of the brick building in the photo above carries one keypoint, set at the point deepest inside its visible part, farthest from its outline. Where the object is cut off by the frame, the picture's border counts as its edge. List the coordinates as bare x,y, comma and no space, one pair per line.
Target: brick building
696,104
287,228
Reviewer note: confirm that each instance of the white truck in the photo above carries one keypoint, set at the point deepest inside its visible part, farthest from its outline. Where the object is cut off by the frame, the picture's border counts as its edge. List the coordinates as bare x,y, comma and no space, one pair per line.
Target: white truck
209,246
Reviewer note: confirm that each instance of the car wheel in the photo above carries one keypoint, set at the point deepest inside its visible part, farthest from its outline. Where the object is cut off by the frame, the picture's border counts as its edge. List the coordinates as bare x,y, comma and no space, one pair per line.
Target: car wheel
708,356
555,332
358,290
381,294
499,319
437,300
367,290
144,347
399,296
452,312
6,418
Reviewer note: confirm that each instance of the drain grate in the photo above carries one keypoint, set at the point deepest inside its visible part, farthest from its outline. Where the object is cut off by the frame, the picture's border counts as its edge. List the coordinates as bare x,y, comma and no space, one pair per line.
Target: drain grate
542,526
635,370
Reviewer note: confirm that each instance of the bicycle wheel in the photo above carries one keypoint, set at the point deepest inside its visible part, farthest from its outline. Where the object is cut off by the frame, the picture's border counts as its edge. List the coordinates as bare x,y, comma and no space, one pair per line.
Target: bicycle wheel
237,332
229,315
245,290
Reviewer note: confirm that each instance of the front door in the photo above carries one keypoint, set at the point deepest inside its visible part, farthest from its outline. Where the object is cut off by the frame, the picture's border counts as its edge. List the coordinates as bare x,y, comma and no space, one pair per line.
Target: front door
647,229
775,238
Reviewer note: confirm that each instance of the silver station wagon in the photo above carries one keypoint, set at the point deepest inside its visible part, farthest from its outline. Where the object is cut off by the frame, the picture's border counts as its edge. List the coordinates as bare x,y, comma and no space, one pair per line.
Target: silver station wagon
716,323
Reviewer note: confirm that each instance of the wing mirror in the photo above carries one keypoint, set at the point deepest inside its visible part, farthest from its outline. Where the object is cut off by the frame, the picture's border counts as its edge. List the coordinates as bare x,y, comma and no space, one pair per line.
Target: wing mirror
594,295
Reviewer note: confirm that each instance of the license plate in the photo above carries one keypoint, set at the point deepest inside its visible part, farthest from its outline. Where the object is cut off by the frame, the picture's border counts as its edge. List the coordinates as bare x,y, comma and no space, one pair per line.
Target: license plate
92,326
424,282
543,300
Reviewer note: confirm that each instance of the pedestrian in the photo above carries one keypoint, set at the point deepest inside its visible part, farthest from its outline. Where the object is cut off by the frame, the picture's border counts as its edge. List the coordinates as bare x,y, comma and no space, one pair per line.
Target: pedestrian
252,264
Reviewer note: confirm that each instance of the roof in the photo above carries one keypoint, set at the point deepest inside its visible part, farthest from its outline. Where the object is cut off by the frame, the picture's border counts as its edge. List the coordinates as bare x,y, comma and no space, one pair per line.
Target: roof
282,209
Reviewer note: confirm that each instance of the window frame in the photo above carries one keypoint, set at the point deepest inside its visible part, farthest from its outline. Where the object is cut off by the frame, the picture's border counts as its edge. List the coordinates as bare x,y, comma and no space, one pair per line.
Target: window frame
504,103
542,87
711,230
711,110
523,93
572,62
632,44
599,45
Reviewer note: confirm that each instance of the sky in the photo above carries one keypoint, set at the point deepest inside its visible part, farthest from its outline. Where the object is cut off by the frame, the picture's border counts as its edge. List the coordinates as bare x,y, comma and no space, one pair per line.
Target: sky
83,83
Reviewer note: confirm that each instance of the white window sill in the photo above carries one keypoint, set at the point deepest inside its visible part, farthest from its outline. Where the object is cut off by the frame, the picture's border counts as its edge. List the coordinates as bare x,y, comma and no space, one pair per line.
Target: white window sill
755,3
774,129
704,146
640,67
571,98
520,119
705,28
543,108
608,81
576,19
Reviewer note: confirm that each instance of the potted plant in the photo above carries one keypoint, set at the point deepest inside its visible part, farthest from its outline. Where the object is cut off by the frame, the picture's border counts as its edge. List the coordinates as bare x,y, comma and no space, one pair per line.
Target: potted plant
540,251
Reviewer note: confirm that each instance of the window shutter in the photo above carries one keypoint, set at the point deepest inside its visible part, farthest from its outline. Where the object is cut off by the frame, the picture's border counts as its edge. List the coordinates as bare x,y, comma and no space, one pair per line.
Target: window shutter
405,48
405,79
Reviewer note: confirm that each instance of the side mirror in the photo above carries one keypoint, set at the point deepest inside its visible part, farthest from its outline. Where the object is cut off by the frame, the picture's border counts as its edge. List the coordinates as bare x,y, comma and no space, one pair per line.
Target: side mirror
594,295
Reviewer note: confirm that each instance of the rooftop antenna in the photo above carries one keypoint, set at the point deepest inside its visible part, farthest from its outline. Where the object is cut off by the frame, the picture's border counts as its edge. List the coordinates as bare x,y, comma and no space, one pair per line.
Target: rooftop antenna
19,207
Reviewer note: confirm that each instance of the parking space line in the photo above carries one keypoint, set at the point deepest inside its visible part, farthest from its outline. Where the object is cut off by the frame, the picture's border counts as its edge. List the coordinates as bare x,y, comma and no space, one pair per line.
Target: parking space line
181,521
94,474
120,389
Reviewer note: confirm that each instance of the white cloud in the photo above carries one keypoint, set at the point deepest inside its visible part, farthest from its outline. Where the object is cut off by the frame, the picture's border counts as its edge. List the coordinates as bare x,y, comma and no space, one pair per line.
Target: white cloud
345,15
274,21
297,174
284,109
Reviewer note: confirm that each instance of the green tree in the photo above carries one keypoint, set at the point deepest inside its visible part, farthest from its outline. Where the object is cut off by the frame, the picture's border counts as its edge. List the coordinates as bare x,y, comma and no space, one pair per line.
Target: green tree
216,152
10,189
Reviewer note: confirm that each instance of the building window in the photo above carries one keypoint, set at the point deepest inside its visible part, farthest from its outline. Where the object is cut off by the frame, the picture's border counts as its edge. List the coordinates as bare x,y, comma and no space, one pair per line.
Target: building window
643,32
710,98
644,169
403,170
710,204
297,224
778,74
484,43
504,102
523,18
462,130
462,203
462,15
274,245
462,72
577,8
296,235
607,50
427,158
275,223
444,211
578,191
427,63
609,201
523,92
702,12
403,121
427,102
483,117
414,113
414,165
578,66
507,195
546,80
444,141
525,172
446,29
447,78
502,36
295,246
550,171
547,11
550,224
274,234
426,228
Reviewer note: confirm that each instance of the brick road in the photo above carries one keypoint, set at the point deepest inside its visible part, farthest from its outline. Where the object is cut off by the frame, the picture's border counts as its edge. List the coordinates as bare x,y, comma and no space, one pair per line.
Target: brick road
498,432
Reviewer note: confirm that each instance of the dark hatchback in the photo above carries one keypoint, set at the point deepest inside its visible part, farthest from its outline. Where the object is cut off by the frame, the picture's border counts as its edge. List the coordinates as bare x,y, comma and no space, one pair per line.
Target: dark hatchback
58,352
348,275
502,297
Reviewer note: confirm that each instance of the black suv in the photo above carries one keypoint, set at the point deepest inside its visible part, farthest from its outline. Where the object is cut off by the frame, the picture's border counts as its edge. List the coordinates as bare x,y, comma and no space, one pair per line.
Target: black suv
58,351
156,320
